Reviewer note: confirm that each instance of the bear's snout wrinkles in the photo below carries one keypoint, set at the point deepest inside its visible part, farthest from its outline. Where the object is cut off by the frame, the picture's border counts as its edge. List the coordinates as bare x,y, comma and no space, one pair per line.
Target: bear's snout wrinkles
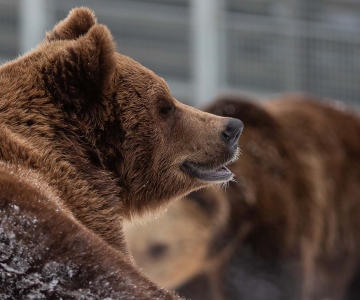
232,132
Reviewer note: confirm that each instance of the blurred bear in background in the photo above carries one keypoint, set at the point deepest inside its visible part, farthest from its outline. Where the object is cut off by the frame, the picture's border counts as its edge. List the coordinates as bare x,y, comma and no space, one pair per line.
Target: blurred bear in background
288,228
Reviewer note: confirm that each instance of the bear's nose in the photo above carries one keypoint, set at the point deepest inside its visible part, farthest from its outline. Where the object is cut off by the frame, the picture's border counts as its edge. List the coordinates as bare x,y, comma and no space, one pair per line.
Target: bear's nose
232,132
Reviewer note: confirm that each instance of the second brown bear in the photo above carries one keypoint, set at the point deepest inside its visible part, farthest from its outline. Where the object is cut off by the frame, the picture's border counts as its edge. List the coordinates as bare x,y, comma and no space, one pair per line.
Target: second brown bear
288,228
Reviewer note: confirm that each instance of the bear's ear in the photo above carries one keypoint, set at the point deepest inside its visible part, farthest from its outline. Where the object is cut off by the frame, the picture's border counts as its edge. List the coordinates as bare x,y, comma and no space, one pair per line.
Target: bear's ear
78,75
78,23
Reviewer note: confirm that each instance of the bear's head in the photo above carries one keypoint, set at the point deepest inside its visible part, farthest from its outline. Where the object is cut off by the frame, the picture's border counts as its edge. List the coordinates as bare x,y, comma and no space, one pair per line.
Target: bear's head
155,147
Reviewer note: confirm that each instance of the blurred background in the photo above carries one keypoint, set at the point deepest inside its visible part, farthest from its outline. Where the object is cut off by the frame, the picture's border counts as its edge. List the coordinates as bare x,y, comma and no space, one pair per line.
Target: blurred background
205,47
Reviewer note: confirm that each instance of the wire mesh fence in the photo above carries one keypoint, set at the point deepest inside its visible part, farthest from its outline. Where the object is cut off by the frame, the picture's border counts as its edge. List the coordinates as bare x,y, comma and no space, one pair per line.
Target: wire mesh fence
9,29
266,46
307,46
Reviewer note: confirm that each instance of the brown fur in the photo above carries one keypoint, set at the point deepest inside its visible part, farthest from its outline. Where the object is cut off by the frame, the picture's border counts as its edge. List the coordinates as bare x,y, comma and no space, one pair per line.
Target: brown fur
102,137
46,254
292,227
196,220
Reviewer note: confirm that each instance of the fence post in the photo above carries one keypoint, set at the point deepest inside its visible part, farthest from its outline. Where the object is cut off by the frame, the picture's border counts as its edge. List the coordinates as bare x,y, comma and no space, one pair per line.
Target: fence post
205,43
33,23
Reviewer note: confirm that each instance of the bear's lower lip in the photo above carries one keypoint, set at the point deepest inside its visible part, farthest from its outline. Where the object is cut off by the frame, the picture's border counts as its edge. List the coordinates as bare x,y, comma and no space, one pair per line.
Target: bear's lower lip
215,175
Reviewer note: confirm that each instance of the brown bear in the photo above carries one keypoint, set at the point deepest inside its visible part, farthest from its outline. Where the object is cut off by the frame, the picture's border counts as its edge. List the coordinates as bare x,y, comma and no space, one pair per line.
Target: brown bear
290,226
90,138
171,259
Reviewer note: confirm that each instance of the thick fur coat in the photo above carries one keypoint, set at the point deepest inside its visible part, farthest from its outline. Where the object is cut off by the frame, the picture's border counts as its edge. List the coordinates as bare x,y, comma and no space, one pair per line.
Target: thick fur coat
89,138
287,228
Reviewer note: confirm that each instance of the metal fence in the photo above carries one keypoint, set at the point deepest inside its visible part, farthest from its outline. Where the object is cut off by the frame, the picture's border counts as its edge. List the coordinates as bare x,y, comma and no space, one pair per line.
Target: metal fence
298,45
203,47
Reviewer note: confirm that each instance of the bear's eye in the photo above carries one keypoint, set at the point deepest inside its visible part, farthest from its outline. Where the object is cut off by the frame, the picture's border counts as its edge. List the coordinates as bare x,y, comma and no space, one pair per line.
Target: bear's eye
166,108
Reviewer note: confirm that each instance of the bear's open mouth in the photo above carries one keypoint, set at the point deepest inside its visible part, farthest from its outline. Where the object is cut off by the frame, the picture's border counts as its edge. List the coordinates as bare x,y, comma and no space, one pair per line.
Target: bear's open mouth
219,174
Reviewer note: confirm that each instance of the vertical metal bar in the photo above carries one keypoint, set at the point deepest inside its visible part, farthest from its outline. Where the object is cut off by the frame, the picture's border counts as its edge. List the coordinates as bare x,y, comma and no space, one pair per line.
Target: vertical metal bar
292,45
205,30
33,23
294,39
